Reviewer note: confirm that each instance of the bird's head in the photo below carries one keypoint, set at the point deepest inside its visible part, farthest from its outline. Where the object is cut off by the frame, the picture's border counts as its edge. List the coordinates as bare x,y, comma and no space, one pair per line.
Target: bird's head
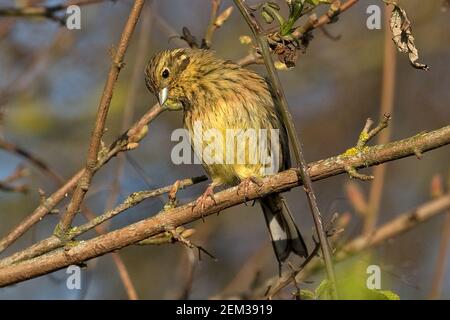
167,74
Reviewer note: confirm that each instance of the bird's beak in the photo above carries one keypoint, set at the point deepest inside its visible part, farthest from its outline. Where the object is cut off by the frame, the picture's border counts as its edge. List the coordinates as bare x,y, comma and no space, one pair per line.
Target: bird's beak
163,96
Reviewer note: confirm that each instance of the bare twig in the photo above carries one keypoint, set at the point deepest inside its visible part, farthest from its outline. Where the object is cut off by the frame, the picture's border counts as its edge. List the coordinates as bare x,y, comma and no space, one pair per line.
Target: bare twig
4,186
215,4
324,19
125,277
181,215
188,273
40,164
128,110
216,20
36,65
7,184
126,142
132,200
99,128
364,137
289,123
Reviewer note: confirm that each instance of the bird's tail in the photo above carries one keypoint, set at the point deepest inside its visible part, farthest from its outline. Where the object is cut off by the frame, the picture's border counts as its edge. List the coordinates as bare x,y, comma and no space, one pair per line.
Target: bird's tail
286,237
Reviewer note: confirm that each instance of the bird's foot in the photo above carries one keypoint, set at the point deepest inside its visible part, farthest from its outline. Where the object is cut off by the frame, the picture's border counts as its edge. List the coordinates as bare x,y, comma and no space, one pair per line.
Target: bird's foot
245,184
204,198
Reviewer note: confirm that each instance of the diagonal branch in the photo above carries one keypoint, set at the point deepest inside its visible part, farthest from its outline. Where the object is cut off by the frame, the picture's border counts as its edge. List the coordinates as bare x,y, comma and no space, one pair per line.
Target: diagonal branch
99,128
126,142
54,242
283,181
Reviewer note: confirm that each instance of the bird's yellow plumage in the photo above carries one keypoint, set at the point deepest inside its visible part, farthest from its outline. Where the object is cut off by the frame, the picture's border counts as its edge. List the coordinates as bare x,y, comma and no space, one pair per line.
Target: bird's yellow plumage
221,96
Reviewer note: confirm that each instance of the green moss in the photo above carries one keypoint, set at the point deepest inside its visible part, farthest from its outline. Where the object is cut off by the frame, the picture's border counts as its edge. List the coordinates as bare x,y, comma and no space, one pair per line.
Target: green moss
351,152
355,151
364,136
71,244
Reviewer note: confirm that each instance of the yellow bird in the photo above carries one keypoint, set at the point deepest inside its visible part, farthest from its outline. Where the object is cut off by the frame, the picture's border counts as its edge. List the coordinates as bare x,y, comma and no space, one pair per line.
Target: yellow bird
220,96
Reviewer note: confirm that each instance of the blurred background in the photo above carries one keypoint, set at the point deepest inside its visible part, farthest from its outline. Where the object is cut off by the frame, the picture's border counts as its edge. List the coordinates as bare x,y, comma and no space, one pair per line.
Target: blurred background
51,81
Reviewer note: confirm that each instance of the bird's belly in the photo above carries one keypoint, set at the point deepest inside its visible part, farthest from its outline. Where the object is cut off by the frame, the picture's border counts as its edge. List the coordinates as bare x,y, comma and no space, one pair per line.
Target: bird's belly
229,151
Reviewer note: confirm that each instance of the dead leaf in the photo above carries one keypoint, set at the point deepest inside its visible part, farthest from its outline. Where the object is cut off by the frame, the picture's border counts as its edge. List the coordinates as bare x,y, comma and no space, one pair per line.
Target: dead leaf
402,36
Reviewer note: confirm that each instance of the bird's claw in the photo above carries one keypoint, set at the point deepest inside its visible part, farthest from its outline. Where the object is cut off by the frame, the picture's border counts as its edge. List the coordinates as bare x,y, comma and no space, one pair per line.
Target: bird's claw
245,184
202,200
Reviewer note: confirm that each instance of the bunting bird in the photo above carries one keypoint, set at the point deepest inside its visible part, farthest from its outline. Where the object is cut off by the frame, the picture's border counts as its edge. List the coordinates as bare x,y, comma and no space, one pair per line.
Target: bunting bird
222,95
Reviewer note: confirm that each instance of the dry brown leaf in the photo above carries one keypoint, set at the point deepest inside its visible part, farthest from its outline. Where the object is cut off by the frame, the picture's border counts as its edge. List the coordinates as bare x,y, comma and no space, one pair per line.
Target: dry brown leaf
402,36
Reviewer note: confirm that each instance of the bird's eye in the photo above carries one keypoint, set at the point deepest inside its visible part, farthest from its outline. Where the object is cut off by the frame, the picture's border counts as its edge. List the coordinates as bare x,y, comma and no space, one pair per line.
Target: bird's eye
165,73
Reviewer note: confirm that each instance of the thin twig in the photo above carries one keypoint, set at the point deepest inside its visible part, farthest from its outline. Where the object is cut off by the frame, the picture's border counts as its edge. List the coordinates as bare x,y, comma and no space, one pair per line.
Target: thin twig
365,136
41,165
33,159
123,143
36,65
132,200
99,127
298,152
215,4
323,20
280,182
128,110
22,188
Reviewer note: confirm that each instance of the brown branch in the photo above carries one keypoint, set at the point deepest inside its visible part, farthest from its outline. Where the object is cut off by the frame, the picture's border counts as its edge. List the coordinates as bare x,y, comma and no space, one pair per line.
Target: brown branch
292,133
128,110
126,142
366,134
283,181
216,20
125,277
132,200
215,4
99,127
13,188
40,164
33,159
323,20
36,65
